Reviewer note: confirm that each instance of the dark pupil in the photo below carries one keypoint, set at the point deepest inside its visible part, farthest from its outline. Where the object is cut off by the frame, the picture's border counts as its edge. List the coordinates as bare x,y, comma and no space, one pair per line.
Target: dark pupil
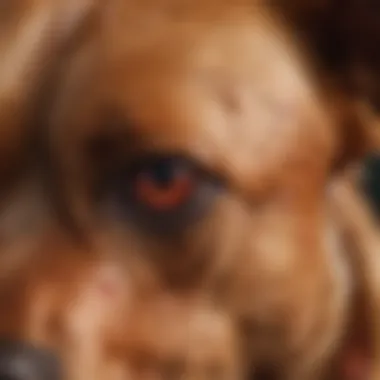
163,173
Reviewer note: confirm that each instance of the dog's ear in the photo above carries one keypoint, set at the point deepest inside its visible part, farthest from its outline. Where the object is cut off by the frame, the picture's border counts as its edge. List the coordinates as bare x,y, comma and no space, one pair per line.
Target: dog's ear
353,31
32,33
361,240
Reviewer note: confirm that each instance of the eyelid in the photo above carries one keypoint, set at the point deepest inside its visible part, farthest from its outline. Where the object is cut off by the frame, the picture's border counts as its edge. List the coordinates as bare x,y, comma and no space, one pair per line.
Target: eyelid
119,190
140,161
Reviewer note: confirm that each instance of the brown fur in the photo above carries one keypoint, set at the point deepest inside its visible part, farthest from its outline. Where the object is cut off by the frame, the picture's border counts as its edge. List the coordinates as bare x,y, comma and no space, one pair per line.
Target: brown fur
266,278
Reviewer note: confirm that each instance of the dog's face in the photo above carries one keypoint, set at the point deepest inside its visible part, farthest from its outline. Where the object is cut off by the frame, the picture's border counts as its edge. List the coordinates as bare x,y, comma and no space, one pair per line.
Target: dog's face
179,213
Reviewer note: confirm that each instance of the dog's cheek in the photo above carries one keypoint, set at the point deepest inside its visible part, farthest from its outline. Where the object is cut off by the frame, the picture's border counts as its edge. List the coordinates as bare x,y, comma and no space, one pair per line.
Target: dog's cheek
291,303
361,239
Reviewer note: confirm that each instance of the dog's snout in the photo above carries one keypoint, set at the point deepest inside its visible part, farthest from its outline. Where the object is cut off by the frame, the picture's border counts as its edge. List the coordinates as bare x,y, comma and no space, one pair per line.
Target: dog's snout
20,361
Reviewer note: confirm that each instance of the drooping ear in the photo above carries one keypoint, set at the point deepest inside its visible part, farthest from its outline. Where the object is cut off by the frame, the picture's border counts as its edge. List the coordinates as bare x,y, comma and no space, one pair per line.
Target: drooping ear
361,241
31,36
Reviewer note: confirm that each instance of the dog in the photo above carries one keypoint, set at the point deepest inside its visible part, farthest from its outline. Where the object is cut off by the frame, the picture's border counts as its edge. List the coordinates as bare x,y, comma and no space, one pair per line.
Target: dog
180,207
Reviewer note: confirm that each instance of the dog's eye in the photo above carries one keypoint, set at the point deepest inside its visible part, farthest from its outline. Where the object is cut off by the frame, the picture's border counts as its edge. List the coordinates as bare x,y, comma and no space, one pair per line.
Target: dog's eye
162,193
165,184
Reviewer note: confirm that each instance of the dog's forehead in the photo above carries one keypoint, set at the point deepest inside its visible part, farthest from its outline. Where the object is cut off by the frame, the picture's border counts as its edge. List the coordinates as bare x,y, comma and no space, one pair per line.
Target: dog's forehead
227,84
220,57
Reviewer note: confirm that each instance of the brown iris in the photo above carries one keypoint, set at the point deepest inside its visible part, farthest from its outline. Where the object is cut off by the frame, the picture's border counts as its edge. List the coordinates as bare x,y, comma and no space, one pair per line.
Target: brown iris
165,185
